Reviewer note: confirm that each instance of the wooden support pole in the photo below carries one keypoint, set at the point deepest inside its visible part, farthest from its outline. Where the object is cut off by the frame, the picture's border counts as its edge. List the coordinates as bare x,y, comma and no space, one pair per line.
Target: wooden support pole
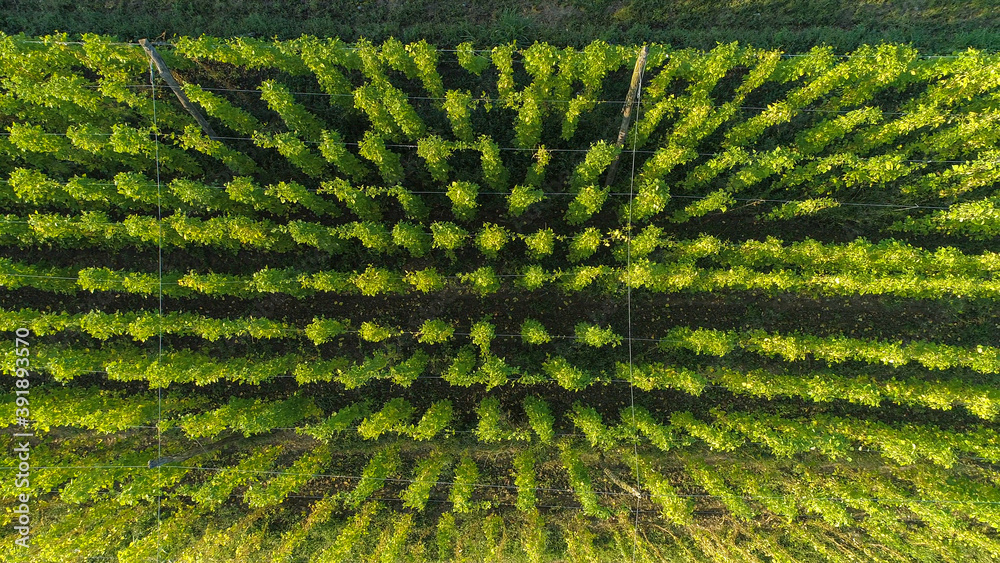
161,67
640,66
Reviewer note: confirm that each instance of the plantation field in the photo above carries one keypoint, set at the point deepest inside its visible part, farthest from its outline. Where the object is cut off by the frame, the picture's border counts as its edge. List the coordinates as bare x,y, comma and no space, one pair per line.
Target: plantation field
407,302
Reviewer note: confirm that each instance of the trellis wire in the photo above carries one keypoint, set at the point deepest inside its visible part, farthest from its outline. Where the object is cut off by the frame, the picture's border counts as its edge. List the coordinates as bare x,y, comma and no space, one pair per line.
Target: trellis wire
497,486
481,51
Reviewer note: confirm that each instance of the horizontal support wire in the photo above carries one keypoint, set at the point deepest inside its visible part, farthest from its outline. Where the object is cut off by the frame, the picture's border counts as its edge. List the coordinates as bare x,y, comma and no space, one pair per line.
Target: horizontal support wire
533,380
502,335
289,428
394,499
480,51
547,149
617,194
66,278
519,149
620,194
493,486
453,431
241,282
544,100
